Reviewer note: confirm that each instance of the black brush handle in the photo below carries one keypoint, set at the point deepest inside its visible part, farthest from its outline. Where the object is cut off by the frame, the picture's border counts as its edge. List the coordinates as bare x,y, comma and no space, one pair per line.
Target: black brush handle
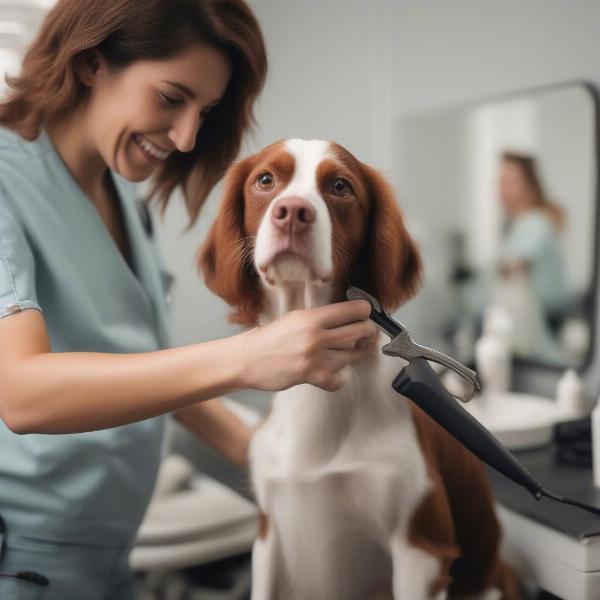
419,382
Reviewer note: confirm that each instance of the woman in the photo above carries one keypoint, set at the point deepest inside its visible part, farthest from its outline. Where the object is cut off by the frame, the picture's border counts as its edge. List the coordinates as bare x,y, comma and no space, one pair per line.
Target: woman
113,92
530,246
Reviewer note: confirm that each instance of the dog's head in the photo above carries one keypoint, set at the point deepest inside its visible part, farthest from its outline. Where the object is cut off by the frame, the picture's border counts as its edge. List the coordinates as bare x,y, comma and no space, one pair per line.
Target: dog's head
307,211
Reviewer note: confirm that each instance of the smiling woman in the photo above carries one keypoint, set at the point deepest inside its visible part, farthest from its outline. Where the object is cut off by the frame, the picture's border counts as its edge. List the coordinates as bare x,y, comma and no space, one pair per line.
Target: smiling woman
111,92
193,62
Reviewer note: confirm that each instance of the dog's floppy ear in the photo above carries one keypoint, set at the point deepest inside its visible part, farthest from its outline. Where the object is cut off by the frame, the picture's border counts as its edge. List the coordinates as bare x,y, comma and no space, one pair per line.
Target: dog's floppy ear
389,267
224,258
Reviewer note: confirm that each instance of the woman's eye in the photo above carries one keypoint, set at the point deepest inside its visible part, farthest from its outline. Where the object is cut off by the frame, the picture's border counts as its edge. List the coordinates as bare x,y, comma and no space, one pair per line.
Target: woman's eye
169,100
341,187
265,181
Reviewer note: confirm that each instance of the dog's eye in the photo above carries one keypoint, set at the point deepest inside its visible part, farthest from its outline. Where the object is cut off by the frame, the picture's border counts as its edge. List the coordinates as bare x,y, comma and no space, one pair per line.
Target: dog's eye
341,187
265,181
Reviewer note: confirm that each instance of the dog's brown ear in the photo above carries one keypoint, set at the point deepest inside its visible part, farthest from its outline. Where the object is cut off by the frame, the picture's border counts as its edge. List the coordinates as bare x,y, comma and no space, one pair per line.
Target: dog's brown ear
225,257
389,267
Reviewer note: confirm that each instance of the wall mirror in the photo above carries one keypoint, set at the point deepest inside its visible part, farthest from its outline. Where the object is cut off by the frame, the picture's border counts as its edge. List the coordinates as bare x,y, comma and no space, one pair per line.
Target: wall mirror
502,197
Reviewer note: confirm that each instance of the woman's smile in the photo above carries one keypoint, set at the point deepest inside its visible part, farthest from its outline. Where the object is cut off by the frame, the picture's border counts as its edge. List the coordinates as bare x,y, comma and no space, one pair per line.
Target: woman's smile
151,152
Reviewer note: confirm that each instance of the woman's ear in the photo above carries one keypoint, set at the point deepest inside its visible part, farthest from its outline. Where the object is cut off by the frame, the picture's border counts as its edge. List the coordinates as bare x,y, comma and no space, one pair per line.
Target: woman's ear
86,65
224,257
389,268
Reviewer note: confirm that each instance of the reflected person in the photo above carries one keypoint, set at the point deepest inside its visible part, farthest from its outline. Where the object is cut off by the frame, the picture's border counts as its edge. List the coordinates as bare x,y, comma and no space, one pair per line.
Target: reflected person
530,246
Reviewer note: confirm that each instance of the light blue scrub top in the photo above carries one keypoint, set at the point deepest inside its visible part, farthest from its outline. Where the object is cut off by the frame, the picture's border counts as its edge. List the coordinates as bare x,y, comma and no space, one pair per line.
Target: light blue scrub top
532,237
57,256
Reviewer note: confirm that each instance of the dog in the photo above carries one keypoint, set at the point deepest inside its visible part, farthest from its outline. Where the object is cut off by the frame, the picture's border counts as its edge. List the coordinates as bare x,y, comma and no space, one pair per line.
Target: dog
362,494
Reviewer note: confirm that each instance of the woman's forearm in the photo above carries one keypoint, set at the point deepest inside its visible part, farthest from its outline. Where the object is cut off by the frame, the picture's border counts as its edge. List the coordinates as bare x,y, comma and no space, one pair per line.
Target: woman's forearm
77,392
220,428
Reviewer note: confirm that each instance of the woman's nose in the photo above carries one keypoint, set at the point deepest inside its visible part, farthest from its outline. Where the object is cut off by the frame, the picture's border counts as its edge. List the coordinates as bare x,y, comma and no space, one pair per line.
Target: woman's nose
185,130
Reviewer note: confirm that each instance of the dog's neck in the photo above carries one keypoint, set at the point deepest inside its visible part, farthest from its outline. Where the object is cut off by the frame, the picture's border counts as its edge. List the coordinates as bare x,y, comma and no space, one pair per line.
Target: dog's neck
292,295
322,421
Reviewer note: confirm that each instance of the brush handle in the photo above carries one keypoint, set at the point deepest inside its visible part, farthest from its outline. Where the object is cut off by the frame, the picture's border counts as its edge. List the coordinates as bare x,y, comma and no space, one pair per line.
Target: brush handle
419,383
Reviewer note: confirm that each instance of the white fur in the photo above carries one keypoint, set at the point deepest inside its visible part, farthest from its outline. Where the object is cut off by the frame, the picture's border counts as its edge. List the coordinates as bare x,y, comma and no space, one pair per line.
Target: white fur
307,156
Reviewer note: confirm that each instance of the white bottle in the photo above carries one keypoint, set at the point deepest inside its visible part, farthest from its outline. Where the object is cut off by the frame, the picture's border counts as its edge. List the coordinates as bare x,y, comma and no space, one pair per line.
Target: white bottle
493,355
596,444
570,395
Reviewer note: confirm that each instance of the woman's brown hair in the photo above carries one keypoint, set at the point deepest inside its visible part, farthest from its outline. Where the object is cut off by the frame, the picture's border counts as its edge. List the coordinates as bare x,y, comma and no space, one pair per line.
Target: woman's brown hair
528,167
124,31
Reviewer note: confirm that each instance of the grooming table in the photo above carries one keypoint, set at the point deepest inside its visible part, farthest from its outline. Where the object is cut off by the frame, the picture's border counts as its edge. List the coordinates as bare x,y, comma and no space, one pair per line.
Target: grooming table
555,545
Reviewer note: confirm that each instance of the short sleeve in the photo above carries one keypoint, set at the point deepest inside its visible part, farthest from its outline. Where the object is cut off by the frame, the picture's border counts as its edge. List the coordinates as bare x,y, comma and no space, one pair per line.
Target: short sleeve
529,238
17,265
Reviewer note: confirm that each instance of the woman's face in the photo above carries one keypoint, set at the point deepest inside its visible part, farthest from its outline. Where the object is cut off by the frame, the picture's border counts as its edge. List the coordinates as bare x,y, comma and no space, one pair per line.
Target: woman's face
138,115
514,189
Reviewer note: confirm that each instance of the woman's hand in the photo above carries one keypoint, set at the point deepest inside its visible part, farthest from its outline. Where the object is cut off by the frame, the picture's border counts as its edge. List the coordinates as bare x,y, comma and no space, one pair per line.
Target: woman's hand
307,346
509,269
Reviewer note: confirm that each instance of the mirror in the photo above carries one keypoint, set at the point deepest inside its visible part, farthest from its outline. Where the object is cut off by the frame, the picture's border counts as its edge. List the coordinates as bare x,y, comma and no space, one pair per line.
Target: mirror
501,196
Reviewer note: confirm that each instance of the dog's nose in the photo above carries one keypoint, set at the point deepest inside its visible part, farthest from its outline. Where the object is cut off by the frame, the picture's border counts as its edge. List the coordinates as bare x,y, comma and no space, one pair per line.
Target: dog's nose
293,215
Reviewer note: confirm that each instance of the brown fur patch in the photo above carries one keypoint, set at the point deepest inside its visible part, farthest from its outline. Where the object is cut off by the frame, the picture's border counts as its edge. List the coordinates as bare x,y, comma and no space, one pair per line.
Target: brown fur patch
263,526
225,257
458,513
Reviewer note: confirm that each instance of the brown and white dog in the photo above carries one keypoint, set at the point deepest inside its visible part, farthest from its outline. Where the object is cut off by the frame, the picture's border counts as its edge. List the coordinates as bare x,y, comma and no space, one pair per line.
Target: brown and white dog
363,494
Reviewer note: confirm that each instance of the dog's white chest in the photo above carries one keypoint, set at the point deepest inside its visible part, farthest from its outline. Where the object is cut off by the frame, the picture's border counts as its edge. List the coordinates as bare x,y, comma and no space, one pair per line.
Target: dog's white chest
337,474
353,451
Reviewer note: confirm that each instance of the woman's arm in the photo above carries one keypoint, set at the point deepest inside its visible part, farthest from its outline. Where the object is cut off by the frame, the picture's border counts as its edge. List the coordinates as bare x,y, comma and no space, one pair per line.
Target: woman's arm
68,392
46,392
218,427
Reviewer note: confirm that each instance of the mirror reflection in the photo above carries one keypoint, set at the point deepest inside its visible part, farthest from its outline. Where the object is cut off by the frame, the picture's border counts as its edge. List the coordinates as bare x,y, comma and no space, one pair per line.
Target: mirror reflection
503,198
